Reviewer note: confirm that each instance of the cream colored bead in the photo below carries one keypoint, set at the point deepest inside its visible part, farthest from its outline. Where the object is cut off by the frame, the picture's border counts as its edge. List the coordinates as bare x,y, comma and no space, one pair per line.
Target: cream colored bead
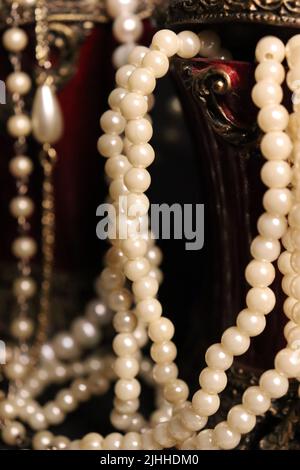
126,407
53,413
154,255
260,273
134,248
148,310
270,226
116,167
276,174
161,330
265,249
21,206
189,44
132,441
115,258
209,43
126,367
270,70
284,263
294,216
141,155
293,338
273,118
21,166
66,400
133,106
136,269
124,322
240,420
15,39
18,82
139,131
176,391
19,125
60,443
80,388
225,437
148,442
251,323
293,56
278,201
256,401
112,441
127,389
267,92
115,8
13,433
137,55
287,362
205,404
137,180
177,430
42,440
110,145
217,357
164,373
112,122
235,341
121,54
204,440
120,300
124,345
288,306
212,381
85,333
293,78
295,238
91,441
120,421
260,300
163,353
15,370
22,328
163,437
37,421
142,80
98,384
276,146
24,247
115,98
157,62
65,346
127,28
145,288
117,189
8,410
165,41
287,241
191,420
270,48
274,384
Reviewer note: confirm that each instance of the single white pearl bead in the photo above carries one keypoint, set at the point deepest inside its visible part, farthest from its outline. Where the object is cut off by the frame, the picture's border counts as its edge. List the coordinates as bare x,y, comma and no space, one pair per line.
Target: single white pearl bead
137,180
91,441
274,384
148,310
24,287
66,400
112,441
126,367
138,131
161,330
273,118
267,92
276,146
212,381
284,263
265,249
14,39
251,323
217,357
24,247
116,96
260,273
270,70
287,362
115,8
204,440
163,353
124,345
121,54
240,420
270,48
136,269
21,166
15,371
165,41
19,125
190,419
235,341
117,188
37,421
256,401
119,300
8,409
18,82
117,166
13,433
137,55
205,404
21,206
270,226
164,373
42,440
133,106
142,81
127,389
278,201
132,441
22,328
112,122
122,77
176,391
127,28
141,155
158,62
85,333
65,346
53,413
225,437
189,44
261,300
110,145
209,43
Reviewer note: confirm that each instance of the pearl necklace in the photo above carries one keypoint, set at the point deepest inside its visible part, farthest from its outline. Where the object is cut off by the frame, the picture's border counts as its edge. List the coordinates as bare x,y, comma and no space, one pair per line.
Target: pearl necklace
191,417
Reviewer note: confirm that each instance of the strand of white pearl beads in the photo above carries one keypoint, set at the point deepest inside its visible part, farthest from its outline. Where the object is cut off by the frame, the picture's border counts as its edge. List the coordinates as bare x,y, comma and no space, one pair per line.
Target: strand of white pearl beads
24,247
170,45
273,383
